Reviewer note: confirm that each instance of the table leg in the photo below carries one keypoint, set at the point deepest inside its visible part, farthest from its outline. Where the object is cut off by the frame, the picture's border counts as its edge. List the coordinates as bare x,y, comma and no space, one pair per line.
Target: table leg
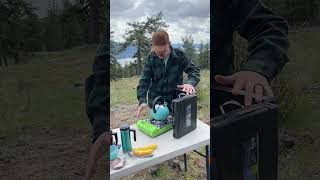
207,156
207,162
185,162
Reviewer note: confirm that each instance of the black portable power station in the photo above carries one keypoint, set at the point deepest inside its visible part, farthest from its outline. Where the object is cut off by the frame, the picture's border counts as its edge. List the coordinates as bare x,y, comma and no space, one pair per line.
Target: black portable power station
244,139
184,112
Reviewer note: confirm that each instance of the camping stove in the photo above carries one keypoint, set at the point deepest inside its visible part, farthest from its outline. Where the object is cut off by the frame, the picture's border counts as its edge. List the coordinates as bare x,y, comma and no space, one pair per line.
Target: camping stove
154,127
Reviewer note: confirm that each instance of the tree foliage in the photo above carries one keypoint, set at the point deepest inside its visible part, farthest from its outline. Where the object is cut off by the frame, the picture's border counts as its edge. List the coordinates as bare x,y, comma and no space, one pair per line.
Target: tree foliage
139,35
115,67
76,23
19,29
188,46
203,56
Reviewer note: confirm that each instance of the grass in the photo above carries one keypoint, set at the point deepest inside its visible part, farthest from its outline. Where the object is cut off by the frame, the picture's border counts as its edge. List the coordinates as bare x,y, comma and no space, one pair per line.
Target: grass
42,94
301,73
203,93
124,91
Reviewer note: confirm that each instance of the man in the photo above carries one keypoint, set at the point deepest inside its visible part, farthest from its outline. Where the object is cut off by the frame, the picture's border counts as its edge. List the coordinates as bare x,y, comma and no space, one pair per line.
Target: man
163,73
96,104
267,36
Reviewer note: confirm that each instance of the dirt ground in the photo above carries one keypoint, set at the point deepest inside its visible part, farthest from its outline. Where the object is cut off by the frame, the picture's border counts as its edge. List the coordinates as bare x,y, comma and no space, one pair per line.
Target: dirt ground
122,114
49,154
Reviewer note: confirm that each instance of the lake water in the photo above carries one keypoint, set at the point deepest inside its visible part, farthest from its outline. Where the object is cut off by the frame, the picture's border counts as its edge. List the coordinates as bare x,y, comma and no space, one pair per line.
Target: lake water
124,61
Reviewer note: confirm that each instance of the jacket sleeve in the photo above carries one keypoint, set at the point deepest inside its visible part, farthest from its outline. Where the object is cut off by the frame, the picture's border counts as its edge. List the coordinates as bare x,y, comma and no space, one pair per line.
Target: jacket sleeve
144,82
192,71
267,36
96,97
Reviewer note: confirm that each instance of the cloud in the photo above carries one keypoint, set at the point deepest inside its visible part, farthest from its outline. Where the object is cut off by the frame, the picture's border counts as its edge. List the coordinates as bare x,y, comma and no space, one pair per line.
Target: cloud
183,16
126,8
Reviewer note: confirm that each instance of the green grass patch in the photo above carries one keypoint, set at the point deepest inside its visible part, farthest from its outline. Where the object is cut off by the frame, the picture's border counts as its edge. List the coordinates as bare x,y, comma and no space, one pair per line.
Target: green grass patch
124,91
41,93
301,73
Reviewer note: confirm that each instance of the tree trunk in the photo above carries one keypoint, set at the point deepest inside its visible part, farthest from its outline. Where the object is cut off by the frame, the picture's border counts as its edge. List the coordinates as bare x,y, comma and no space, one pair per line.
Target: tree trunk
16,58
139,60
5,61
139,66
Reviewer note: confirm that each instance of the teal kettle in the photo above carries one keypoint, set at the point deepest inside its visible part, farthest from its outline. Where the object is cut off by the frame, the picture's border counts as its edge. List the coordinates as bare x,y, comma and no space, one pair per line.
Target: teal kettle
160,110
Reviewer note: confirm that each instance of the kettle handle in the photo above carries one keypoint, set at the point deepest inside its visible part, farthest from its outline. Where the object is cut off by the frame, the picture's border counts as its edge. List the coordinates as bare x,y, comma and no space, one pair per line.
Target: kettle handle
181,94
155,101
116,137
134,134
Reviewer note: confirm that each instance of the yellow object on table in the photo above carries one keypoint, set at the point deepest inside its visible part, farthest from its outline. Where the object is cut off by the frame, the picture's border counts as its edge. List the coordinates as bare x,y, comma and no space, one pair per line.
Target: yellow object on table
143,151
152,146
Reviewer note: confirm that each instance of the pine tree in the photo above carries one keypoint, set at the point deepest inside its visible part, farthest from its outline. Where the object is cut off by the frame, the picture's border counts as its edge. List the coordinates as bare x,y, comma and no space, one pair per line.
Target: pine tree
139,35
188,46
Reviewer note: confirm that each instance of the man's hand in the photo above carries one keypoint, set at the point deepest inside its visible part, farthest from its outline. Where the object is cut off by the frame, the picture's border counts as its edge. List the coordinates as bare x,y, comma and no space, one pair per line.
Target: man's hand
96,152
254,84
188,88
141,108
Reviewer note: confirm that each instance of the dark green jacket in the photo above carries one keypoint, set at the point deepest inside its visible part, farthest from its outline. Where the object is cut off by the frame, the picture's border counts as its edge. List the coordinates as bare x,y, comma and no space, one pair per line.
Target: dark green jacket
158,80
267,35
96,91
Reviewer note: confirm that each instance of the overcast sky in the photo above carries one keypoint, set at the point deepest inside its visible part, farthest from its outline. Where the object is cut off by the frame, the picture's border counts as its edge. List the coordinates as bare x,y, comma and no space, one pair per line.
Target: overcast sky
183,17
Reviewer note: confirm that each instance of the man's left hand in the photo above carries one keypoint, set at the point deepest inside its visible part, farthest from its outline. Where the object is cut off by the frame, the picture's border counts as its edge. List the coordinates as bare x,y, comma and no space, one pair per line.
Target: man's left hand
255,85
188,88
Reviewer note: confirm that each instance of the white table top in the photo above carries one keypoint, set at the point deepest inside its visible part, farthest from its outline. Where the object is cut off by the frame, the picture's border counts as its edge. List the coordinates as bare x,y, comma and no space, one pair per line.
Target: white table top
168,148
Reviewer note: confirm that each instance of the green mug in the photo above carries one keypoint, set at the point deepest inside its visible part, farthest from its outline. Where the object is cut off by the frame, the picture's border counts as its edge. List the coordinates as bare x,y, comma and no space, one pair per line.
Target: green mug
126,138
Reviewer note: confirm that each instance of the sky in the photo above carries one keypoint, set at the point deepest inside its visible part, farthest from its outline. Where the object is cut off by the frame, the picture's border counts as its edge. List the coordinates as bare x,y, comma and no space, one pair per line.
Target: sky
184,17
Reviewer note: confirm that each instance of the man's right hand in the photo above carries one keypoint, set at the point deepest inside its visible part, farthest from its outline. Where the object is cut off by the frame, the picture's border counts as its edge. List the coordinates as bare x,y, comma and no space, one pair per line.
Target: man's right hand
255,85
141,108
